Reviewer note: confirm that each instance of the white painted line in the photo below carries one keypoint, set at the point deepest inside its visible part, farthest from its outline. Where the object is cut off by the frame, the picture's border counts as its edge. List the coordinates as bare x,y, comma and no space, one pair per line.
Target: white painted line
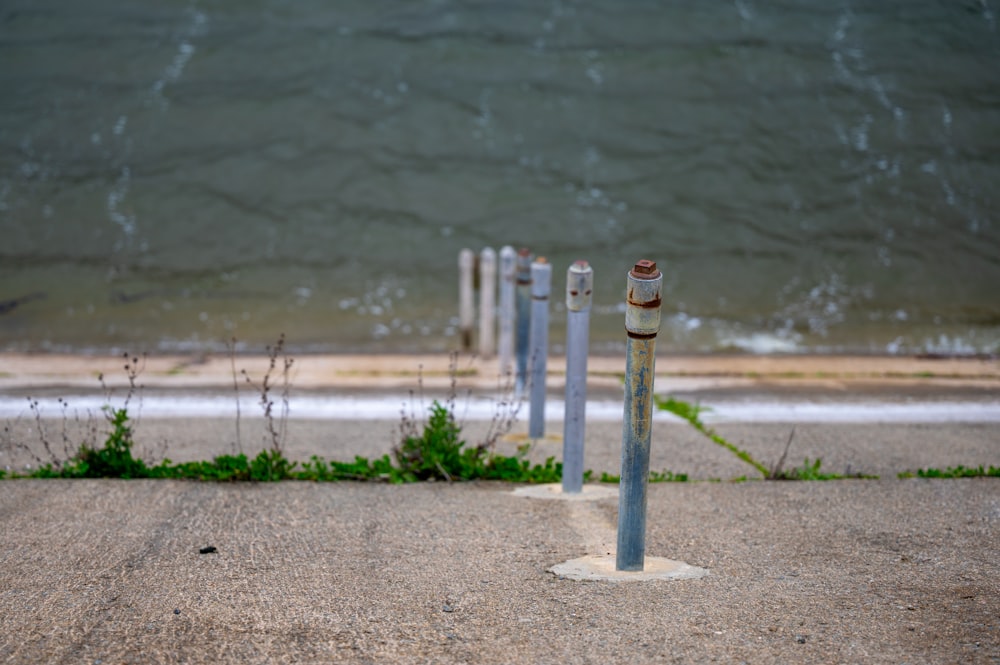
341,407
856,412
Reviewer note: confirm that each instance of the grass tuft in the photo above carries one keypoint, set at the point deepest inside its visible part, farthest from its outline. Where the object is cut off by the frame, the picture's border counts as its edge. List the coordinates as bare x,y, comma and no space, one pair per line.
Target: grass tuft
692,413
955,472
808,471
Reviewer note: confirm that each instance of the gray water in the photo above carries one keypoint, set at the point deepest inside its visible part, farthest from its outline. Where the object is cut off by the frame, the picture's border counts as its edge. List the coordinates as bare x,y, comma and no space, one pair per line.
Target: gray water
812,176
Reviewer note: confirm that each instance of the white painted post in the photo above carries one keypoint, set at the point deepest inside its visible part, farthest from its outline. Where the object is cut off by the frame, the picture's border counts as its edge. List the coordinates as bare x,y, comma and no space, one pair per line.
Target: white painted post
579,290
523,318
505,347
487,302
541,282
466,314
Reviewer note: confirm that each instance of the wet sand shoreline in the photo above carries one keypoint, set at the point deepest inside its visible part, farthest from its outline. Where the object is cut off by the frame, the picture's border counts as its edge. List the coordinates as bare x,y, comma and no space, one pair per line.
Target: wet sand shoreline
392,371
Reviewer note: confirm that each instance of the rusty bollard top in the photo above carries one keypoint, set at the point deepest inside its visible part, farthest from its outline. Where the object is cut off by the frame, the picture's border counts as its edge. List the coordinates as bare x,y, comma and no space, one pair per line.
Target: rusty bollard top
642,314
579,286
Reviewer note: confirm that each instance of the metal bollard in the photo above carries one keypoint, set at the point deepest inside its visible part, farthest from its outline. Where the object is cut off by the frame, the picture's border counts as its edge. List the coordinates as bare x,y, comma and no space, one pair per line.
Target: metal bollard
487,302
579,287
541,282
505,347
523,317
466,315
642,323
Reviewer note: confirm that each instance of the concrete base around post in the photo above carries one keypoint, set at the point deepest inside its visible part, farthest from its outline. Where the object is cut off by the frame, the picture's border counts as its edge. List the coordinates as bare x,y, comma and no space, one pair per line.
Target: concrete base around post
601,568
555,491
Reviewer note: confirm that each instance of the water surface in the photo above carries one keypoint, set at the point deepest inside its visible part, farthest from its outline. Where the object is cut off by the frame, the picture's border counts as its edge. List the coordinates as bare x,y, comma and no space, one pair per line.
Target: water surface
810,176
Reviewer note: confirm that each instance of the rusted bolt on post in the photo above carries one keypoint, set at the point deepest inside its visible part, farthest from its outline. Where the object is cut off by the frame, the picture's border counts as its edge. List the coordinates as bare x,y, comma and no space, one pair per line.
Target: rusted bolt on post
466,314
505,341
642,323
487,302
579,290
541,282
523,318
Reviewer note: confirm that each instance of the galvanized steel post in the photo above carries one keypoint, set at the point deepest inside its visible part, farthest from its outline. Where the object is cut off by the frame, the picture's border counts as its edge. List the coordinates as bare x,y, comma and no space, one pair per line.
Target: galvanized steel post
466,315
579,287
541,283
487,302
505,346
523,317
642,323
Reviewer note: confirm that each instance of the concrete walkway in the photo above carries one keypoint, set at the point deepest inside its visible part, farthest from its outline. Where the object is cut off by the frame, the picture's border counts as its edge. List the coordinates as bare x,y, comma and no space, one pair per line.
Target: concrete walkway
842,572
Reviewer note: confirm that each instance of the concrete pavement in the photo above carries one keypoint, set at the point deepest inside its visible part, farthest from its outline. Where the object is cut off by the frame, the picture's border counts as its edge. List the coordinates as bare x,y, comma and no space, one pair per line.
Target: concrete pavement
842,572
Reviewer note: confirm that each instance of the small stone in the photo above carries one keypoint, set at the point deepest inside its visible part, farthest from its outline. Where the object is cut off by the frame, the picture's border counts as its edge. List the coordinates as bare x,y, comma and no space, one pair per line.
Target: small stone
177,611
801,639
448,608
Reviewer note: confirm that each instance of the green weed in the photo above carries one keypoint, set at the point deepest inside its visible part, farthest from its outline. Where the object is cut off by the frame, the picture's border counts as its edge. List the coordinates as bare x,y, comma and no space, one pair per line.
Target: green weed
667,477
955,472
224,468
439,453
691,413
664,476
811,471
808,471
114,459
519,470
319,470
